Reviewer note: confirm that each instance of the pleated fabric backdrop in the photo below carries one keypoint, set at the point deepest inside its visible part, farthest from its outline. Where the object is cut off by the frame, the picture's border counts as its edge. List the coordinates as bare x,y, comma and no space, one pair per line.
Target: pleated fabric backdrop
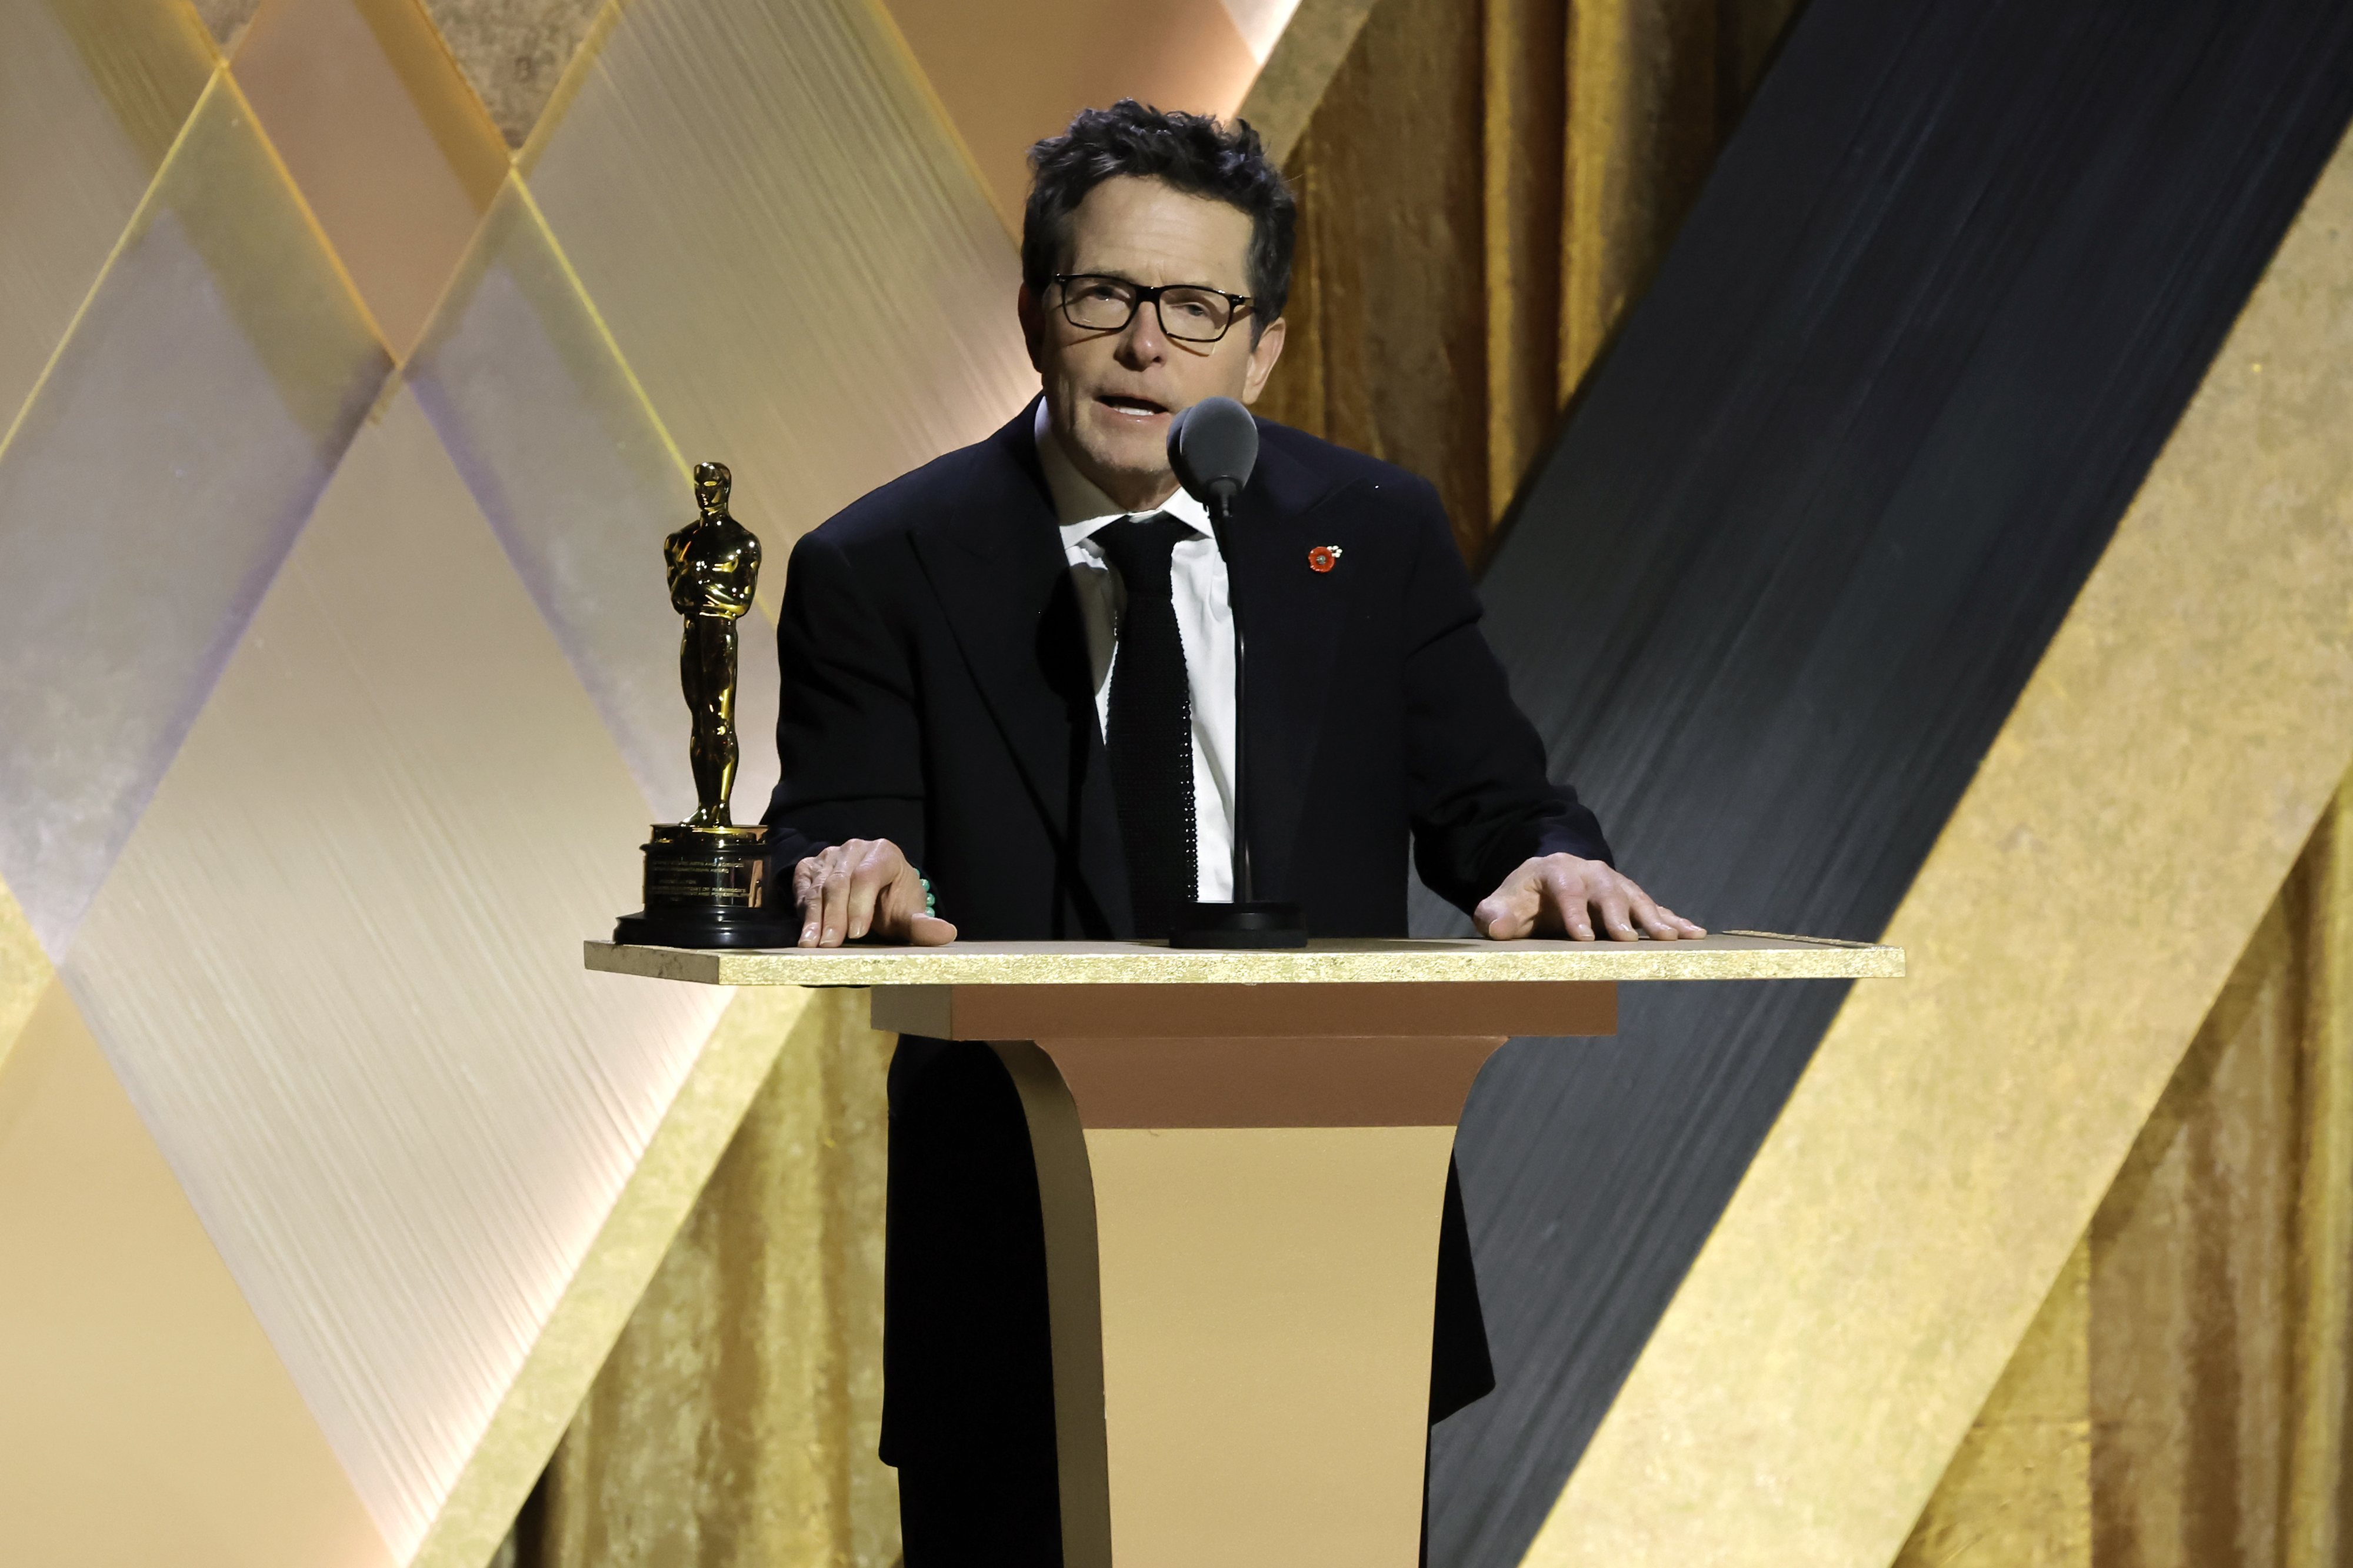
1484,189
2220,1268
2182,1399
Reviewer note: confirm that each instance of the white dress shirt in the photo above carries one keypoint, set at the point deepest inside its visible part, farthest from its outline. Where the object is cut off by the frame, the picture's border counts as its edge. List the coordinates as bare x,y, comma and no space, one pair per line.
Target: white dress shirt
1204,624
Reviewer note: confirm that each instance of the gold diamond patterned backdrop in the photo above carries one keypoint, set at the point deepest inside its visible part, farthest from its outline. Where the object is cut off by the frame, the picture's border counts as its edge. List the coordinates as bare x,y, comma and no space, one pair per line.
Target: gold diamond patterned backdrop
351,353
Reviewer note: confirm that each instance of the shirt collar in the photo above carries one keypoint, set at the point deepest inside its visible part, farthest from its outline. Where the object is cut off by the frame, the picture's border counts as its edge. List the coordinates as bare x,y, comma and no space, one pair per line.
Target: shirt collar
1081,507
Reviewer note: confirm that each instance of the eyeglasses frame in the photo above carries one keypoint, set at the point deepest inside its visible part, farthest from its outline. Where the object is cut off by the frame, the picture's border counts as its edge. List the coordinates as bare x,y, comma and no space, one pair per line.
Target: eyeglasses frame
1146,293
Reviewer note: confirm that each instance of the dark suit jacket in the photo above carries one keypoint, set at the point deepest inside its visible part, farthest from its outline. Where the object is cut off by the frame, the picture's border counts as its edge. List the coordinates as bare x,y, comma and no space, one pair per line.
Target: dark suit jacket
937,693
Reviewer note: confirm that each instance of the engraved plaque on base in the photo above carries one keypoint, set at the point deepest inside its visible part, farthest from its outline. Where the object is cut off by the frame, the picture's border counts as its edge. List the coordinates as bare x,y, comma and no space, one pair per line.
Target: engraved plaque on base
708,886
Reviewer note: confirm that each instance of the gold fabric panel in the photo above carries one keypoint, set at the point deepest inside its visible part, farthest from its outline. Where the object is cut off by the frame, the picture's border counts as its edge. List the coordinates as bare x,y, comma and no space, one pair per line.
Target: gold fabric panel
2019,1493
2071,928
1532,124
1284,93
386,143
737,1420
1552,153
2181,1402
1379,226
2222,1265
147,1419
1654,88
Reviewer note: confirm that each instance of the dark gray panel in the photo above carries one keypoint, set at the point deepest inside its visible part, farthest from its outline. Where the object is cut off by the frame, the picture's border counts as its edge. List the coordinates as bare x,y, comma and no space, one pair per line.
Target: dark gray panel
1792,559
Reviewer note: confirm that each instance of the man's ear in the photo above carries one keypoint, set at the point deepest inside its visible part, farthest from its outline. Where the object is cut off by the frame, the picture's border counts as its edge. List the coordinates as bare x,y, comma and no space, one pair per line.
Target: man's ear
1033,327
1263,355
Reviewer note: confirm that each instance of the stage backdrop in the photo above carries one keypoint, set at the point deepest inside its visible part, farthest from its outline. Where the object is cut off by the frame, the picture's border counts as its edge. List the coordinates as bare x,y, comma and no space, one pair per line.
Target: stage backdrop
351,353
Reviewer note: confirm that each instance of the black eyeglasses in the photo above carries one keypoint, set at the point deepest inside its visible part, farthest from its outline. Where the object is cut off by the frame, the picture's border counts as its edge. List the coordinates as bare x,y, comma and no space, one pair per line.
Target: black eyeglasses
1187,312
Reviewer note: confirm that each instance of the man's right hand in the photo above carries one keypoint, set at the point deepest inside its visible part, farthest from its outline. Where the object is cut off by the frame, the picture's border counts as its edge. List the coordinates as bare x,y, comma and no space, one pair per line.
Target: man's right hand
861,887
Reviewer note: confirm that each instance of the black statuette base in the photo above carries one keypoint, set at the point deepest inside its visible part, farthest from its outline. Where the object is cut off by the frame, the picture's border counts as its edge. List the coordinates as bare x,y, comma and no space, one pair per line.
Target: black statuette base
680,928
707,887
1263,923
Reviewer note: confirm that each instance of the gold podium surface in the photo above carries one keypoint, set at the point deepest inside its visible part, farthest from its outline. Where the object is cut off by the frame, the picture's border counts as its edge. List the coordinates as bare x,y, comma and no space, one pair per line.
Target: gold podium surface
1242,1162
1731,955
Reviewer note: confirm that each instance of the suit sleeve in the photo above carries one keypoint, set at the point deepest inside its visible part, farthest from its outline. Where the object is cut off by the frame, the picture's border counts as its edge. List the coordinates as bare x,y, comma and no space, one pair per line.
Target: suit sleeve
847,732
1475,781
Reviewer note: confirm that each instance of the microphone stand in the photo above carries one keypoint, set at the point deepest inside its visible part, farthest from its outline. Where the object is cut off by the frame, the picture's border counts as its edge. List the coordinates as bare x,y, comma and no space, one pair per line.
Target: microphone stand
1246,922
1221,515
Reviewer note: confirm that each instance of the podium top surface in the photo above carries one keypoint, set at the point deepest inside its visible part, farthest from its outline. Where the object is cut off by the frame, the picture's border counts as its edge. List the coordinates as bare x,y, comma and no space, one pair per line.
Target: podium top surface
1731,955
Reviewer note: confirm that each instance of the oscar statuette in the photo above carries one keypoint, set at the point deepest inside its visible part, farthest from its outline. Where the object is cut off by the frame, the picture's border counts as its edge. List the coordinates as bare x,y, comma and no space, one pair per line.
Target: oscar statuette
707,878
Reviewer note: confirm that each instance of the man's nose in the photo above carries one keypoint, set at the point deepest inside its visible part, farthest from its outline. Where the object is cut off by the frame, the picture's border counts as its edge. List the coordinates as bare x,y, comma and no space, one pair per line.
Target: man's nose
1143,344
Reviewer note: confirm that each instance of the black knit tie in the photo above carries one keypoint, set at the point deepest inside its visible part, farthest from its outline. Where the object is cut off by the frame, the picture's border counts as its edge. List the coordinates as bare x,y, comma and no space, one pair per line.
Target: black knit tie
1151,735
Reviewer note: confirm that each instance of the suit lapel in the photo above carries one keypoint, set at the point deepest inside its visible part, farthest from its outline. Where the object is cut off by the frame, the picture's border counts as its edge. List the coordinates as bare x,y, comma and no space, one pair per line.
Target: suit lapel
1292,618
1004,588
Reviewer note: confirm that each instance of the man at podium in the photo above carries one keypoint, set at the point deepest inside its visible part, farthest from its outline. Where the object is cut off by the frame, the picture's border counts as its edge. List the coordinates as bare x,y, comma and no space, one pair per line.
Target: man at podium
1007,712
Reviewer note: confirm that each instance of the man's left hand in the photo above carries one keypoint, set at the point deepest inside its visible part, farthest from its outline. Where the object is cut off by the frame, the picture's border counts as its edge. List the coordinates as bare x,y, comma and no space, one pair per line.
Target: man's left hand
863,888
1562,895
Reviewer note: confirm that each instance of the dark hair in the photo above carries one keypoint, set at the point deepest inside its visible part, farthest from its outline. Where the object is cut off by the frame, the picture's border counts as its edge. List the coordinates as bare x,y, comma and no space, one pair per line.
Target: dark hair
1194,153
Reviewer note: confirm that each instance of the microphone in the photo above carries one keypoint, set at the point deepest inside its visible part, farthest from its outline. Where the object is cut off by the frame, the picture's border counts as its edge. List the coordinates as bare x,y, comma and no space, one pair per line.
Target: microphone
1212,448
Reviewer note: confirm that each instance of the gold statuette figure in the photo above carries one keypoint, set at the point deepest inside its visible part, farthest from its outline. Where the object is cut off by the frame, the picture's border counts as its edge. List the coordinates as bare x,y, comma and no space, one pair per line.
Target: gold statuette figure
714,564
706,879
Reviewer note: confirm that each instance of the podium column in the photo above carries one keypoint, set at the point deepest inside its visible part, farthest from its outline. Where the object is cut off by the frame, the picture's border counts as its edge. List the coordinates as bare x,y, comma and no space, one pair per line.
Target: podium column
1242,1187
1242,1159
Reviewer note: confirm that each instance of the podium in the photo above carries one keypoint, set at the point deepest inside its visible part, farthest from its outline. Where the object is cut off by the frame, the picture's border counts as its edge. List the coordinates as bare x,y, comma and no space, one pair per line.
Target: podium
1242,1158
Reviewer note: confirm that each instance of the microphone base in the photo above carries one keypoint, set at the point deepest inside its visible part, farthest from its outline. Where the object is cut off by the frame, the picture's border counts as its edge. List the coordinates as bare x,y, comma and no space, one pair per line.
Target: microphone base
1259,924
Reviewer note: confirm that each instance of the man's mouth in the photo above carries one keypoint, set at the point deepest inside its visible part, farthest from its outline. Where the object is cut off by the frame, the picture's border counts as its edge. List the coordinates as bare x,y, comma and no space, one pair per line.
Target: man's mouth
1135,407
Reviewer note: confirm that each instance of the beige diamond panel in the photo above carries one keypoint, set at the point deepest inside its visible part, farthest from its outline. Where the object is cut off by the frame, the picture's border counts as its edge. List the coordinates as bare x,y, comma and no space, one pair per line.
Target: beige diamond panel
154,483
387,143
781,317
144,1417
415,1110
84,122
336,447
568,464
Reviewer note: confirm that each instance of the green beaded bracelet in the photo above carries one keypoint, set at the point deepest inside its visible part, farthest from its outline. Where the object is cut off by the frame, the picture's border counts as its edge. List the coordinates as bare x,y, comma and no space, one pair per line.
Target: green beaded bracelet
931,903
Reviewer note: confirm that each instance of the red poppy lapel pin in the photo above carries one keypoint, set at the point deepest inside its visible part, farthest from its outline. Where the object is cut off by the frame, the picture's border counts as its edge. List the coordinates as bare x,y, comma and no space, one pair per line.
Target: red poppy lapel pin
1323,557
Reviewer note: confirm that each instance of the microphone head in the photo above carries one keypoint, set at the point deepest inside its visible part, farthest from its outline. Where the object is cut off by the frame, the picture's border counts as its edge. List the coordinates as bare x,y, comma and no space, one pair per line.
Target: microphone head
1212,447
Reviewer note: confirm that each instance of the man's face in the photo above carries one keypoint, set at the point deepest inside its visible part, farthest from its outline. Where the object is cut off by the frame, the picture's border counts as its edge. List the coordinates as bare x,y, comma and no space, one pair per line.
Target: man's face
1111,393
709,494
